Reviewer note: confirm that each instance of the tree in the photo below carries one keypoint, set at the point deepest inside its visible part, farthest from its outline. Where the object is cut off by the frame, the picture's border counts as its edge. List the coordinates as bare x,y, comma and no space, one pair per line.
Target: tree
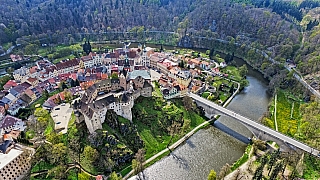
31,49
67,95
42,121
137,163
72,83
114,75
58,153
90,154
114,176
45,94
57,100
212,175
188,103
77,83
63,85
58,172
40,112
243,70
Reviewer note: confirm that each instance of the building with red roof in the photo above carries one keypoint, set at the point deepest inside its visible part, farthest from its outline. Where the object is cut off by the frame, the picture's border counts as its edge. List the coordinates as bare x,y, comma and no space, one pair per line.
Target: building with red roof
10,84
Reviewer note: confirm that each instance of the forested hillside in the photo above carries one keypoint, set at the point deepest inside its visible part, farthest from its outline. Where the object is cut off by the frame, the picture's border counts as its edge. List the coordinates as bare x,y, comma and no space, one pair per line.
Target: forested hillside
220,18
270,25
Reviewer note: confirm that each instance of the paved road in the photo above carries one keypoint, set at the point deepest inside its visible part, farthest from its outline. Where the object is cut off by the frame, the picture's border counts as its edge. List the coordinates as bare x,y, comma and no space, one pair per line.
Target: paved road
256,125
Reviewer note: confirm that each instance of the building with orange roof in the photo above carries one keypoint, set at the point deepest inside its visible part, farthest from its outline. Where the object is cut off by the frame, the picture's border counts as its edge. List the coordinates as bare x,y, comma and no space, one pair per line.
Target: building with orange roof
33,81
104,76
86,85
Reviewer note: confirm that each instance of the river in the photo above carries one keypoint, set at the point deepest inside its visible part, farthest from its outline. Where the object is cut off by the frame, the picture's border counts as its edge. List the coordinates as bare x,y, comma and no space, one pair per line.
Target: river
212,148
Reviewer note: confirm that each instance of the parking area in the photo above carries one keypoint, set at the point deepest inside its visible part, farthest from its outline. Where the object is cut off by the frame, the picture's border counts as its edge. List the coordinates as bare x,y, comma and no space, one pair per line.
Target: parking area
61,115
155,76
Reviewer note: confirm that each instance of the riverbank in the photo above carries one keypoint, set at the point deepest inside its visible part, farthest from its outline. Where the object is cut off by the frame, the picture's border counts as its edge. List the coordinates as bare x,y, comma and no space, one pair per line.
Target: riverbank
187,136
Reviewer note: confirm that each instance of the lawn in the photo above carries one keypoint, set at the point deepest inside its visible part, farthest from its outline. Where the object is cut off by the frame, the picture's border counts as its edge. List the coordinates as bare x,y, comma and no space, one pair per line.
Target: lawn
233,73
205,94
152,128
42,99
285,107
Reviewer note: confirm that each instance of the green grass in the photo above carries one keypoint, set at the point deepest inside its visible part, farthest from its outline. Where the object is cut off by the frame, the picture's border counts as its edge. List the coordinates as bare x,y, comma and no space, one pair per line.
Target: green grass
205,94
242,159
42,166
312,168
286,124
123,120
56,61
42,99
126,170
232,72
154,137
50,126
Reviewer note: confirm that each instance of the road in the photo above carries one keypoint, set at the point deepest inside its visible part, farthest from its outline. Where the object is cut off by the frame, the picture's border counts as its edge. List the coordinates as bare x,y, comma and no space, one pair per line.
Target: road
253,124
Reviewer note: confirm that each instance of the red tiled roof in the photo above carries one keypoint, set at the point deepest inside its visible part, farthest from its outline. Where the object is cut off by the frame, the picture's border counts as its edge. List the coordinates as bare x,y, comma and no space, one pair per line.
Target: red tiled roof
52,81
9,84
73,76
32,79
104,76
62,96
29,92
67,64
33,69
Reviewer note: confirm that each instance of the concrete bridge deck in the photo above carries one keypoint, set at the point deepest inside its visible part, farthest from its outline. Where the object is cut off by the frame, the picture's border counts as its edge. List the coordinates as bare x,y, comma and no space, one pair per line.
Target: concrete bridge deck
252,124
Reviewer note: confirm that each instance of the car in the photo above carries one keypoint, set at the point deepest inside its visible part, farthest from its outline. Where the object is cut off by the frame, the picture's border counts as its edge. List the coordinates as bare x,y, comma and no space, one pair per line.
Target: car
57,109
58,123
63,104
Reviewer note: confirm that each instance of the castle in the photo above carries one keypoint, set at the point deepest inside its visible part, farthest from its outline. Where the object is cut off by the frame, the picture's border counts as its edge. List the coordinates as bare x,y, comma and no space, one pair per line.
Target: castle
114,94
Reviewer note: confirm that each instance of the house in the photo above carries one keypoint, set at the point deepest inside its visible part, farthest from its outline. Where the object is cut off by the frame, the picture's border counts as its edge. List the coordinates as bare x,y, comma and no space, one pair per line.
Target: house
215,71
2,112
68,66
49,104
31,94
9,123
165,64
17,91
33,81
170,91
26,85
34,71
154,60
193,63
18,104
87,61
15,57
223,64
10,84
21,74
205,65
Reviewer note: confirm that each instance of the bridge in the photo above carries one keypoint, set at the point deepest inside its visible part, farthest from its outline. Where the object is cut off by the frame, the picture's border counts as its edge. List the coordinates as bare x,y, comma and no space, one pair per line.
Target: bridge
262,132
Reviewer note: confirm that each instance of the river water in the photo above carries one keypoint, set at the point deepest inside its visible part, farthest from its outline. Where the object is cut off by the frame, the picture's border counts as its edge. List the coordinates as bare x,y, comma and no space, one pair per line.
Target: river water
212,148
